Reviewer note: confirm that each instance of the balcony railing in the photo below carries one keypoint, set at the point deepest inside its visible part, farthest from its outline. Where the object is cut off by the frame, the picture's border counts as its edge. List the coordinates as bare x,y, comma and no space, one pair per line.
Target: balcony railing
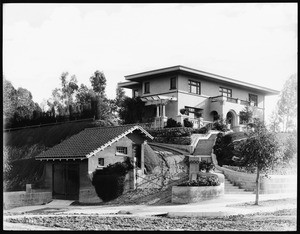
233,100
229,99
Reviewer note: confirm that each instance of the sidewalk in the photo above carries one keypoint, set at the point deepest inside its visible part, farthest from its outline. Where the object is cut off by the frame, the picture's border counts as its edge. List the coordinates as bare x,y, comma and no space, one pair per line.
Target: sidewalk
222,206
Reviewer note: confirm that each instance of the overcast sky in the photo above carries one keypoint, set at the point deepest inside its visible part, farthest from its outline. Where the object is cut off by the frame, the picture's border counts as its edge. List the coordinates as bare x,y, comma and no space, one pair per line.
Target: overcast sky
255,43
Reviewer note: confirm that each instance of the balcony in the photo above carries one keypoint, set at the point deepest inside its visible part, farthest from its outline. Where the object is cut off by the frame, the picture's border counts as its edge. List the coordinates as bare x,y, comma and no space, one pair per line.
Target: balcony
232,100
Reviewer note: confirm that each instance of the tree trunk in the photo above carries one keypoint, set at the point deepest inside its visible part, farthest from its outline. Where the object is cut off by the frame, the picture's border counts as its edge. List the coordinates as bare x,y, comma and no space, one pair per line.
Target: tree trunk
257,187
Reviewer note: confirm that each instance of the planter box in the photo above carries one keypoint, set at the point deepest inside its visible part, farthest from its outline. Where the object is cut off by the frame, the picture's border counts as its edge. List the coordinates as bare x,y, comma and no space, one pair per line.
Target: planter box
190,194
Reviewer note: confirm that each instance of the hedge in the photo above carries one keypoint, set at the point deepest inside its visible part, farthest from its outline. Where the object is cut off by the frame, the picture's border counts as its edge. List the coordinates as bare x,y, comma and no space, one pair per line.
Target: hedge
171,132
174,140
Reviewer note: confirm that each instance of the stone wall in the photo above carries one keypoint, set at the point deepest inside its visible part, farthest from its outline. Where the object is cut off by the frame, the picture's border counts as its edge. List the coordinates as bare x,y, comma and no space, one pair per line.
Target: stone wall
23,198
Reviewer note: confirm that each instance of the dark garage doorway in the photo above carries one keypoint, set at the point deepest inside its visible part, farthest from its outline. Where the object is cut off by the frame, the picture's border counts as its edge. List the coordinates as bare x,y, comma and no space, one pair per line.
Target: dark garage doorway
65,181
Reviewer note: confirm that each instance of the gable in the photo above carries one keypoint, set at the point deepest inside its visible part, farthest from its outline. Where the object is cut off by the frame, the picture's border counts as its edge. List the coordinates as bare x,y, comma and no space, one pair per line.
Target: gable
90,141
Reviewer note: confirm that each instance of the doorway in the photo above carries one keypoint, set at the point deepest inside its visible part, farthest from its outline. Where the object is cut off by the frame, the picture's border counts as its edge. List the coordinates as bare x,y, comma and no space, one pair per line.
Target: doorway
136,152
65,181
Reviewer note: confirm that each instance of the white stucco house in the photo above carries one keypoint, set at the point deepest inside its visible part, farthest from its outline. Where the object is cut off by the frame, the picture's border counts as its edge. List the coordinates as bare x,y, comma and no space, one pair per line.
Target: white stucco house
205,96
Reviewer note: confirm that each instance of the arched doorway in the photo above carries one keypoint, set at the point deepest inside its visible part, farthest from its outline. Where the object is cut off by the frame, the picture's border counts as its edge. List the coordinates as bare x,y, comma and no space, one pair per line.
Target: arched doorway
230,119
214,115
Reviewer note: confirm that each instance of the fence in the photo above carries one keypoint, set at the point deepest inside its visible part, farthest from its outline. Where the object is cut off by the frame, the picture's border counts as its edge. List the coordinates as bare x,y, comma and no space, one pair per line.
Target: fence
49,124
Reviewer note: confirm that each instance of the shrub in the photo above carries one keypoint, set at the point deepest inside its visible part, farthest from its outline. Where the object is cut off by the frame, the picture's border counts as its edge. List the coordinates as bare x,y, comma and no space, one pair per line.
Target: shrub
174,140
171,132
183,111
209,180
187,123
219,125
171,123
224,149
109,182
202,130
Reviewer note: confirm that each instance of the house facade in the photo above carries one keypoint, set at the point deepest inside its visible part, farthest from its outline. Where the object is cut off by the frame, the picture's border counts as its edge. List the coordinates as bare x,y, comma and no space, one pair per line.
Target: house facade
69,166
180,92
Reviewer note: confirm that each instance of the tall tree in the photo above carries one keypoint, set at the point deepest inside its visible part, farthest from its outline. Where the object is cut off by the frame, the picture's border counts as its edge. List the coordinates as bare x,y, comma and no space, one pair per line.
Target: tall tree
274,121
132,110
25,105
63,99
9,100
259,150
287,104
98,82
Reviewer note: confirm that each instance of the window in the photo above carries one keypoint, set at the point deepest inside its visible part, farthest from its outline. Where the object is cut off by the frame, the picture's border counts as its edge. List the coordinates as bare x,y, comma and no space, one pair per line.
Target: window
253,98
121,150
225,92
173,83
101,161
196,111
147,87
194,87
135,93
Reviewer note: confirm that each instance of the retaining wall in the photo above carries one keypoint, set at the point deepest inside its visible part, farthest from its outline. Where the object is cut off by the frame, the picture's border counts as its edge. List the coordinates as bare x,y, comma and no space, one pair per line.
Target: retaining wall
273,184
23,198
191,194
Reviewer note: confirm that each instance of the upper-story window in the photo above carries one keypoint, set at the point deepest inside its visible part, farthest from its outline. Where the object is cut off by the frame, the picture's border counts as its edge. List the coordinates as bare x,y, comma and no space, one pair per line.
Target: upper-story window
225,92
147,87
253,98
195,87
135,93
173,83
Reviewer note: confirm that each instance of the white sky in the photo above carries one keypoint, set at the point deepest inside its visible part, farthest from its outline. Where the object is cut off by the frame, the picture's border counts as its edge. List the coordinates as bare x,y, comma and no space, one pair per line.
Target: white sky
255,43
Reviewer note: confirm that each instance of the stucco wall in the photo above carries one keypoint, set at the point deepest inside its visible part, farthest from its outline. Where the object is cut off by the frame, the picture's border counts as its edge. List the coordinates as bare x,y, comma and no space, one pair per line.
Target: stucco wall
21,198
190,194
158,85
212,89
109,154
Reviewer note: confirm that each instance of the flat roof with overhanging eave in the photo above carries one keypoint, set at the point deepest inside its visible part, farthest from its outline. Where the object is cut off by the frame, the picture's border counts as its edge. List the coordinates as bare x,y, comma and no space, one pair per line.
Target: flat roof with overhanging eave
139,76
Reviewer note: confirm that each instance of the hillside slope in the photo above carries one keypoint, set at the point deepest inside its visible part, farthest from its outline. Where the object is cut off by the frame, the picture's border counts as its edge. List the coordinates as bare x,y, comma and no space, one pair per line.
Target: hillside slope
21,146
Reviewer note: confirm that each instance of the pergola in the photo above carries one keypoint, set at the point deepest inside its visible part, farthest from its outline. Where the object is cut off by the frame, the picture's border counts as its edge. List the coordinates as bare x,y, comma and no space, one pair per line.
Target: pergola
160,101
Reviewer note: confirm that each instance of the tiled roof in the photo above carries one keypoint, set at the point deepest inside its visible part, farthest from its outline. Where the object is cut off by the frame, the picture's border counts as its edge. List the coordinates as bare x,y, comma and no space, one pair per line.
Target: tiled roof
89,142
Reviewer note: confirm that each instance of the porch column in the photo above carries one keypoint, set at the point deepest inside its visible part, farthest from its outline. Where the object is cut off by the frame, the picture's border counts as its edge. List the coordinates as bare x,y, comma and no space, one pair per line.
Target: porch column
143,158
133,175
157,110
163,110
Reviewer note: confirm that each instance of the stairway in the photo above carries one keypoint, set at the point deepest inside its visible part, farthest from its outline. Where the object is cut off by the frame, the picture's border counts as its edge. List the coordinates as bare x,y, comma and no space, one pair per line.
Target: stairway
231,189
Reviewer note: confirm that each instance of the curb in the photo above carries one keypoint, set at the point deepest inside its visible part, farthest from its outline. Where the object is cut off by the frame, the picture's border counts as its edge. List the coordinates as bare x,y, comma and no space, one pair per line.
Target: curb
198,214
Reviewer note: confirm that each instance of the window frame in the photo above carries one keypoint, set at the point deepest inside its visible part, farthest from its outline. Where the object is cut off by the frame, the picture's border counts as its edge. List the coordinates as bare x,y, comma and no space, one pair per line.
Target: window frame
221,91
121,150
100,164
197,84
255,101
173,83
147,87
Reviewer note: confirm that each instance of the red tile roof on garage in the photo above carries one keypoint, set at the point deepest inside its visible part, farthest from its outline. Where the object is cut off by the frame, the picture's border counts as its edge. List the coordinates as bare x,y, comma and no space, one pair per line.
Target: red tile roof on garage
89,141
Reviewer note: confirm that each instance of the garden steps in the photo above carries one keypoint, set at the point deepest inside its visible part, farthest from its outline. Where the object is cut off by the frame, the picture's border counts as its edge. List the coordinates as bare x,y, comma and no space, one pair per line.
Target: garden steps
231,189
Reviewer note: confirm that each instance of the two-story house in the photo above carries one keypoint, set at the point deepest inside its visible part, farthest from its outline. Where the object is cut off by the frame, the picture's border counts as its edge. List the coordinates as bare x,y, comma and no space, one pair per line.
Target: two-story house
180,92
